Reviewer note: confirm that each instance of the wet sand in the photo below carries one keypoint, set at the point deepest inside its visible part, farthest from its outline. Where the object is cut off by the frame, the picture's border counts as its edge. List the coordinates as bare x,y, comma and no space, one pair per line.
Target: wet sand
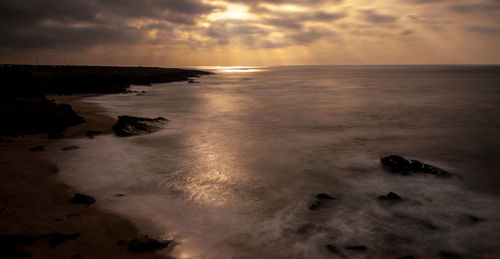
33,203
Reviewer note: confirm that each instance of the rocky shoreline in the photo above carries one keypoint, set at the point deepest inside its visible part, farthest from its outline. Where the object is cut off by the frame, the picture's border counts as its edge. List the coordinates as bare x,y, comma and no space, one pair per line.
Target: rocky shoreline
41,218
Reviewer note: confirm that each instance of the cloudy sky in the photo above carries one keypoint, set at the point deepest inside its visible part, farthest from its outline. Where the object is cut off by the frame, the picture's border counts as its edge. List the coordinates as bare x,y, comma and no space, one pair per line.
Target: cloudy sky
249,32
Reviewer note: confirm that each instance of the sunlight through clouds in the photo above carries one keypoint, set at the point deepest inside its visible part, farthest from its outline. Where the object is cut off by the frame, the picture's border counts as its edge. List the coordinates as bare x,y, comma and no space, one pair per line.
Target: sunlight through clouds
250,32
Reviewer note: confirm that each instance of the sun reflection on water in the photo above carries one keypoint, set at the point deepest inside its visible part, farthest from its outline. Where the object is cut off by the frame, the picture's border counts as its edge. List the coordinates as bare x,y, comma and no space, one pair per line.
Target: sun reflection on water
233,69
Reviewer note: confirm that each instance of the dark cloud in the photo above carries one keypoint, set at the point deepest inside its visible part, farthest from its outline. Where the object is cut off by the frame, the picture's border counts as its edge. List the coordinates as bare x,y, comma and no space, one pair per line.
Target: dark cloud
483,29
374,17
86,23
476,8
427,1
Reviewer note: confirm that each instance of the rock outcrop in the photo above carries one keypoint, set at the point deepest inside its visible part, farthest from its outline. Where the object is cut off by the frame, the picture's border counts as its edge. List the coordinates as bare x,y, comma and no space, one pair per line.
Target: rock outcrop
130,126
399,164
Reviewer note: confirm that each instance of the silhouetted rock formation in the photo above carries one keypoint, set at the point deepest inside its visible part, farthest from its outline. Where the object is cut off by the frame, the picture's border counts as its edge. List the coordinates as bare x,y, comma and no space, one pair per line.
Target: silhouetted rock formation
32,115
40,80
131,126
9,245
321,198
399,164
58,238
24,109
37,148
360,248
83,199
390,197
69,148
145,243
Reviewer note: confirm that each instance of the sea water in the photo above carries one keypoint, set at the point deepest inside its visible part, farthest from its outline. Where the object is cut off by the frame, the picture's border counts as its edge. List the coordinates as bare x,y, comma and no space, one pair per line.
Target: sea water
234,171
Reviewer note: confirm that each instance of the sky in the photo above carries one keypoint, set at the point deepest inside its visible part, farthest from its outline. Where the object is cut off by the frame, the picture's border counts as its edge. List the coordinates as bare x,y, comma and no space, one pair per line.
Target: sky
249,32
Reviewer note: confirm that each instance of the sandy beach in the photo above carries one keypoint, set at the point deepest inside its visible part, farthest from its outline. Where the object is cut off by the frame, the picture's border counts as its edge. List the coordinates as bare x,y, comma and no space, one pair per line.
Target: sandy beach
34,204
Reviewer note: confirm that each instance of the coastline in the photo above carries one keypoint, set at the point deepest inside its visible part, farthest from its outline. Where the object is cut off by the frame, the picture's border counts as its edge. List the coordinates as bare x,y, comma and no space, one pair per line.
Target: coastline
33,203
39,116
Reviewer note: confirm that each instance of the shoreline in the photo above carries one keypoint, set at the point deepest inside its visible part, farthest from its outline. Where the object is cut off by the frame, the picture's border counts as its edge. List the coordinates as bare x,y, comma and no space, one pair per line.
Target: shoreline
34,203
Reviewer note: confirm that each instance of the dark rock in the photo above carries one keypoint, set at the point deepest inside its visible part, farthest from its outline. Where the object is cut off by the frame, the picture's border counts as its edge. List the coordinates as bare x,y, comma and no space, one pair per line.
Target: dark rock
324,196
76,256
131,126
58,238
396,163
32,115
390,197
399,164
321,199
448,254
83,199
92,133
9,246
55,135
6,140
360,248
37,148
70,148
333,249
475,219
122,242
192,81
120,195
145,243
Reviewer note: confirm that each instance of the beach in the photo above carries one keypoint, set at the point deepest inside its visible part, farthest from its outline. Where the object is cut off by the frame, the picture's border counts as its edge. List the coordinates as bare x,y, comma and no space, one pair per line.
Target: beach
34,203
38,216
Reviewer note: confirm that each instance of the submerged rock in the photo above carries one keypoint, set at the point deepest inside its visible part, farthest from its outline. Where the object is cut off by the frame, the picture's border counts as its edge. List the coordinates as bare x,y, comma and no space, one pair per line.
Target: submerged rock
37,148
333,249
70,148
9,246
83,199
58,238
399,164
321,198
131,126
390,197
145,243
360,248
92,133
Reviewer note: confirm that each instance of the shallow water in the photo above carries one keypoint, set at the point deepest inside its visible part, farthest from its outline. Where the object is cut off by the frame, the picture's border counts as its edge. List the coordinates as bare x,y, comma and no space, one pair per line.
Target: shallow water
233,173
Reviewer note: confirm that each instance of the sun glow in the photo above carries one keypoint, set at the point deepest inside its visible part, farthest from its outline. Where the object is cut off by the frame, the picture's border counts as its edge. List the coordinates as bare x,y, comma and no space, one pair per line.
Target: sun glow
233,69
232,11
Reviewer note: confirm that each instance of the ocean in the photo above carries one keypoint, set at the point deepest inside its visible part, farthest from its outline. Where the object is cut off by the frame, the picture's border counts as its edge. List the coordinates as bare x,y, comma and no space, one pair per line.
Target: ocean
235,170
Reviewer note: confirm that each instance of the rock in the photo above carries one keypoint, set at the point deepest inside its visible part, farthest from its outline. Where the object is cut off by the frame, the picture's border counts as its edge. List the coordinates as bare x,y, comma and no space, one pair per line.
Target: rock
83,199
58,238
192,81
70,148
333,249
9,245
92,133
321,198
475,219
55,135
37,148
131,126
448,254
6,140
145,243
75,256
399,164
324,196
360,248
396,163
406,257
390,197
